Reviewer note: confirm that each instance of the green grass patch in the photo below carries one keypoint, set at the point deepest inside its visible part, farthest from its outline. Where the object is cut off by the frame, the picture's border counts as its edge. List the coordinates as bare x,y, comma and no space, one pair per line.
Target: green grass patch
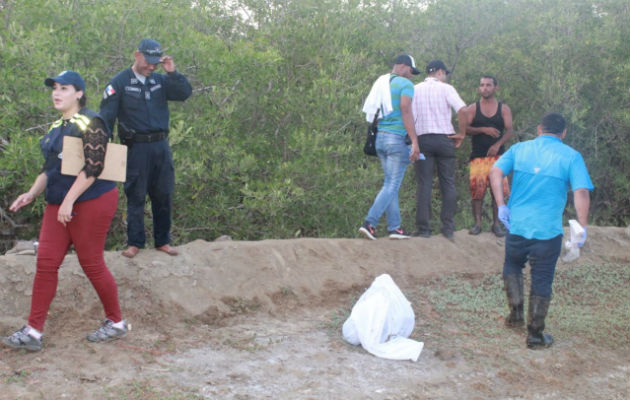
18,377
464,313
145,390
456,307
593,302
590,302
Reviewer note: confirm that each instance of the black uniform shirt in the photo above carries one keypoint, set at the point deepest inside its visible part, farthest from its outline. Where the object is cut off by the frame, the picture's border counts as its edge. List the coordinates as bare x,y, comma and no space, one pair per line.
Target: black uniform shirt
142,107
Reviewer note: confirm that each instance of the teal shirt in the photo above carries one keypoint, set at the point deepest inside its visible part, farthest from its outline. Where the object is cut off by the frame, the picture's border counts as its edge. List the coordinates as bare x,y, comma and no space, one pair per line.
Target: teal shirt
544,168
393,122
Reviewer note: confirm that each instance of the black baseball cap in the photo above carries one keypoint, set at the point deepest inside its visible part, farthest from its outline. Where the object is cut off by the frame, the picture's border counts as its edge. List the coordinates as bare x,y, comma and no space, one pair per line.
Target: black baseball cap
67,78
437,65
151,49
406,59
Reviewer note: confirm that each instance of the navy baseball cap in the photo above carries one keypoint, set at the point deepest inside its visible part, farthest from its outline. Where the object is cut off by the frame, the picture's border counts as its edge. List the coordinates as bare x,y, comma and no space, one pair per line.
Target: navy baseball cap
437,65
67,78
151,49
406,59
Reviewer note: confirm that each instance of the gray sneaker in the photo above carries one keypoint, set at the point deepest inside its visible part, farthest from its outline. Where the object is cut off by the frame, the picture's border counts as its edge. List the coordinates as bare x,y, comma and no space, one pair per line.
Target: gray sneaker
107,332
22,340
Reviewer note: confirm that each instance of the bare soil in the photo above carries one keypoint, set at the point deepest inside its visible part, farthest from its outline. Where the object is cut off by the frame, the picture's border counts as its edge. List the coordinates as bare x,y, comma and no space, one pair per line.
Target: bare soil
262,320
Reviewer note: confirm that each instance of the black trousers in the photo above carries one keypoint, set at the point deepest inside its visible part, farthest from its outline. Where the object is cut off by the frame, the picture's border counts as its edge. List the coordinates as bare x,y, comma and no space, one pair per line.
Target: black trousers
542,256
439,151
149,172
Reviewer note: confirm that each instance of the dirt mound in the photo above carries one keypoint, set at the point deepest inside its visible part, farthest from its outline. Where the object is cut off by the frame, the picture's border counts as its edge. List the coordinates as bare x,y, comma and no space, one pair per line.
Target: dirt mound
227,291
210,281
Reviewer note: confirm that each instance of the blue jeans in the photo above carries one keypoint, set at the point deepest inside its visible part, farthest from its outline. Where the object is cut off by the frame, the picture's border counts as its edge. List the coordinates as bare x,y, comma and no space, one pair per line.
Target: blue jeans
542,256
394,155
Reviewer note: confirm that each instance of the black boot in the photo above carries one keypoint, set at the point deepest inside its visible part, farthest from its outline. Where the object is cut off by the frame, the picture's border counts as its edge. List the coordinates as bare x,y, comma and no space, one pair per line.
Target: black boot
536,338
514,290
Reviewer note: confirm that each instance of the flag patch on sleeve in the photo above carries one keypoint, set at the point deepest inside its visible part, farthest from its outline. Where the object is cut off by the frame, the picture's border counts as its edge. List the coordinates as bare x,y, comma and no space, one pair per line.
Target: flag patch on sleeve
109,91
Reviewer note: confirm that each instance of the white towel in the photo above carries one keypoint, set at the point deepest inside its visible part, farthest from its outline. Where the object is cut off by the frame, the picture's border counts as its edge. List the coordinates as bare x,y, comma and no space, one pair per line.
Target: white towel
380,97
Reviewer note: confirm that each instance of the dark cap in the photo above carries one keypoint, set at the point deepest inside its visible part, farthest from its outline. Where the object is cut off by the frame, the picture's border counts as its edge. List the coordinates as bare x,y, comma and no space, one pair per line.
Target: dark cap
406,59
67,78
151,49
437,65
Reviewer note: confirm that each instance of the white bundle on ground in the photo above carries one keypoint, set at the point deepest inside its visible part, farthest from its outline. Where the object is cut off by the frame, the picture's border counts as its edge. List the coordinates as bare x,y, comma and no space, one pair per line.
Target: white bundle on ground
381,321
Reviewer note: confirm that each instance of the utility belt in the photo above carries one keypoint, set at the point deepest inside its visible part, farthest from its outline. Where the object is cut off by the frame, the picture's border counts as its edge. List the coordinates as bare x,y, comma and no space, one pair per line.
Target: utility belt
130,136
149,137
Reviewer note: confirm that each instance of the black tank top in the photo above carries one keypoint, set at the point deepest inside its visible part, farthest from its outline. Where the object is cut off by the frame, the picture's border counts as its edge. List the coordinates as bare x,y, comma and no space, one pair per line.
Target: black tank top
481,143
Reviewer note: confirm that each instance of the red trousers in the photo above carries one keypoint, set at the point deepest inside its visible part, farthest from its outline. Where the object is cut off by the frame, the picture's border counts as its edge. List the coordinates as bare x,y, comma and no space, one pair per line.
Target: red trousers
87,231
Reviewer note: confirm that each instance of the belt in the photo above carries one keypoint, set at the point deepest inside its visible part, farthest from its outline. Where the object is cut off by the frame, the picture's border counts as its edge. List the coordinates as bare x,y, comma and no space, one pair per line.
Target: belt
149,137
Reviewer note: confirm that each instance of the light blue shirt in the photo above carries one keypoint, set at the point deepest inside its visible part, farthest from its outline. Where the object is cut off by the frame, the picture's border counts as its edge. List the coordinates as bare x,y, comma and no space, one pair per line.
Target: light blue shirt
544,168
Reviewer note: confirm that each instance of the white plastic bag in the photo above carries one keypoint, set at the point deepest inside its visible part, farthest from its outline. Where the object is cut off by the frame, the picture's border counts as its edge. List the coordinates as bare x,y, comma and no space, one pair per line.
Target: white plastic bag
381,321
571,246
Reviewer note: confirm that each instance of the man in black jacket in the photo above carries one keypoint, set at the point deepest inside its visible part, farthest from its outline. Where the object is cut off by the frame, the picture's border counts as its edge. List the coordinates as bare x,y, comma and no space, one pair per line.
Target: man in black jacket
138,97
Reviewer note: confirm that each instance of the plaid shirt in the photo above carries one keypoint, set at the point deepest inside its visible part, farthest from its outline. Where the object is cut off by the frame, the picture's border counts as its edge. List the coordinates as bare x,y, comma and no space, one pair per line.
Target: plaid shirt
431,106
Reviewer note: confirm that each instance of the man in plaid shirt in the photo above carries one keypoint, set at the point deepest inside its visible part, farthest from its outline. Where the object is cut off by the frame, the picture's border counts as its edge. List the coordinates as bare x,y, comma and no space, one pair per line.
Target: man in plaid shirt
433,100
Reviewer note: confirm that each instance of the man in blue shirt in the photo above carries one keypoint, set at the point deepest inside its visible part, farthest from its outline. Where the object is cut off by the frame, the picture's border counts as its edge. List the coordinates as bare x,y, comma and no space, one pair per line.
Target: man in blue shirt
543,169
138,97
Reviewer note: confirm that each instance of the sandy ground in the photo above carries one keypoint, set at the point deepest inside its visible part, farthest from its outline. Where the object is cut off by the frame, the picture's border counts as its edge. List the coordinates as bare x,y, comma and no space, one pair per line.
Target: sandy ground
260,320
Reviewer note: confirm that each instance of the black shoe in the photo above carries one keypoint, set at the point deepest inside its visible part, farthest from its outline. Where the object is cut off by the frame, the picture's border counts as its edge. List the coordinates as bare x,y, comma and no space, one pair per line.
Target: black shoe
539,341
498,230
515,318
475,230
449,235
513,284
399,233
368,230
536,338
424,234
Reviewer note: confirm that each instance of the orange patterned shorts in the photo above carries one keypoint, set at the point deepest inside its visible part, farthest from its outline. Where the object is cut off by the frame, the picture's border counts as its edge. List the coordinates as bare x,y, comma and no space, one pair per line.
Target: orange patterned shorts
479,181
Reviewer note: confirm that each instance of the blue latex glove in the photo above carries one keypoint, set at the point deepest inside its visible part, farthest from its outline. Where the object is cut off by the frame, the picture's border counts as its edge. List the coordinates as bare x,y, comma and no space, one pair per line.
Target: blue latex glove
581,242
504,216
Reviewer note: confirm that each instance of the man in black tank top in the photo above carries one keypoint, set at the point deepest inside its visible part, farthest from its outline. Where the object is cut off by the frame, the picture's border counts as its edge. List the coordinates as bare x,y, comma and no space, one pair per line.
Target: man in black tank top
490,125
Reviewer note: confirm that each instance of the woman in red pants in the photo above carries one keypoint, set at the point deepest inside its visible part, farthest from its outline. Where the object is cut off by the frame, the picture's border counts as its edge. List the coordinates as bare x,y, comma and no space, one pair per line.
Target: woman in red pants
78,212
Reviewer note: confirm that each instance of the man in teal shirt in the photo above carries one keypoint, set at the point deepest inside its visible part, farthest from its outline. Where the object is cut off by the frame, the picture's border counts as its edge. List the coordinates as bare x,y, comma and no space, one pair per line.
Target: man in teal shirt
543,170
391,145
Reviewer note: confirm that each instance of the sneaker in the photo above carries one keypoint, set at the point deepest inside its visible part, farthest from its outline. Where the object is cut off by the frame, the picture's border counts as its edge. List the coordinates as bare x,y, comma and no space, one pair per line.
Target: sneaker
22,340
107,332
368,231
399,233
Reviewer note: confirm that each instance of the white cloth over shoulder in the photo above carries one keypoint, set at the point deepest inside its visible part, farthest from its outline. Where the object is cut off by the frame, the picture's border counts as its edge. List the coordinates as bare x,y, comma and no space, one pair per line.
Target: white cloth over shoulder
381,321
380,97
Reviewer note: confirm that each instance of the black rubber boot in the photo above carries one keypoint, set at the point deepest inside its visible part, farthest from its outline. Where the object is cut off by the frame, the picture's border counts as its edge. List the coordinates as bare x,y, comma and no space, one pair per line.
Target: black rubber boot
514,290
536,338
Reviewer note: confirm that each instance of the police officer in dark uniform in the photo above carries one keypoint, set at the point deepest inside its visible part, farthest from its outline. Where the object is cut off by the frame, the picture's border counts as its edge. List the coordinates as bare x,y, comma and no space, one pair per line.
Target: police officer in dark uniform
139,97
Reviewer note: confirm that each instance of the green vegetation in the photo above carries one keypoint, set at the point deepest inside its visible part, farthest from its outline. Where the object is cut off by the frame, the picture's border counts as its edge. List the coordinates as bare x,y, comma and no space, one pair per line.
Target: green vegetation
459,313
590,303
593,302
17,377
269,145
145,390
